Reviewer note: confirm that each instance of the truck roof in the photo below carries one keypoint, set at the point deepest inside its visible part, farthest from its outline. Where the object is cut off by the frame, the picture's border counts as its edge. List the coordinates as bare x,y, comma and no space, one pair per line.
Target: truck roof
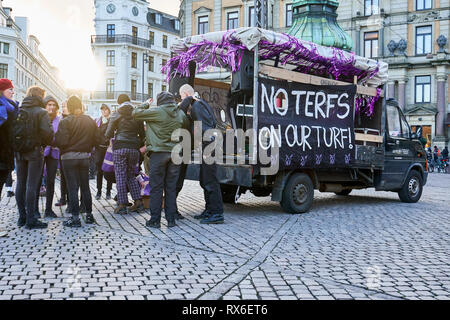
225,49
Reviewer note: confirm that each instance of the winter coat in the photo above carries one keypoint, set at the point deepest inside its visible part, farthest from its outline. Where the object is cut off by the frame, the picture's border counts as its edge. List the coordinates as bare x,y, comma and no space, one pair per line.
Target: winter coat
6,141
126,131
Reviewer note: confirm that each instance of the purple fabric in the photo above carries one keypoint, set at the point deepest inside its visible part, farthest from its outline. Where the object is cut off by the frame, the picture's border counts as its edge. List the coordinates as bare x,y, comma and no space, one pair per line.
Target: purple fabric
144,180
125,161
6,106
108,163
49,150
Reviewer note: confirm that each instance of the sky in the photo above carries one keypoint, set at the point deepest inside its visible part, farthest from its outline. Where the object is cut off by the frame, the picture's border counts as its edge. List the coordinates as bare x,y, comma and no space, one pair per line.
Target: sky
63,28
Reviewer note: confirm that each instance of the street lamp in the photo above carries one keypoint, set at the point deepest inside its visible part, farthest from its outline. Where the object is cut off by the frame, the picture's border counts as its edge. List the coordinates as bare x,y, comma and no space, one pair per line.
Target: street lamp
144,61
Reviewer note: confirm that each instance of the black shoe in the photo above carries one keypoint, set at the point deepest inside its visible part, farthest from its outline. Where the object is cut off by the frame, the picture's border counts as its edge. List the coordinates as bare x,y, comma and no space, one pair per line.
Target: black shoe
121,209
138,206
171,224
50,214
153,224
67,210
72,223
98,196
108,195
61,203
178,216
10,194
90,219
21,222
37,215
213,219
205,214
36,224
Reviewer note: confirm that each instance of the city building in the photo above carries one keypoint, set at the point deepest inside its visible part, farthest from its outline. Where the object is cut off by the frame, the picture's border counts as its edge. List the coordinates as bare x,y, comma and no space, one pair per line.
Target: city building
411,35
22,62
131,44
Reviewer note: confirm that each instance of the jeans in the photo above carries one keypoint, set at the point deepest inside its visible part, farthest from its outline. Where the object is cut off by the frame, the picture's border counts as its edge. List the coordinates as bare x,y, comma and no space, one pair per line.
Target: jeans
63,183
3,179
163,178
77,177
51,166
99,157
211,188
29,169
9,180
181,178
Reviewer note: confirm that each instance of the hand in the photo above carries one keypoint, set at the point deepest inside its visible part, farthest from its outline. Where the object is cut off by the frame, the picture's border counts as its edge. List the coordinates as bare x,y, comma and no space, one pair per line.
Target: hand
150,101
143,150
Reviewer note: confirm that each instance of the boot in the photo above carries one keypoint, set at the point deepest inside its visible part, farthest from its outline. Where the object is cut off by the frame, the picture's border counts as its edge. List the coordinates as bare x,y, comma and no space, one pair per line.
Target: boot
153,224
36,224
178,216
10,194
98,196
50,214
138,206
72,223
108,194
37,215
90,218
213,219
21,222
121,209
203,215
171,224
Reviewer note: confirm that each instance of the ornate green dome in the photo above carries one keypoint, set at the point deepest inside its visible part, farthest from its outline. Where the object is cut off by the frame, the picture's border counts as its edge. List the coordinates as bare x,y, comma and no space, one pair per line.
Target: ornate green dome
315,21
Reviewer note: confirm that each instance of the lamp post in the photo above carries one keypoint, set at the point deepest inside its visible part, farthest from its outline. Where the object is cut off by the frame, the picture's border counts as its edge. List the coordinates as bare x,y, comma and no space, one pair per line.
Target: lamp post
144,61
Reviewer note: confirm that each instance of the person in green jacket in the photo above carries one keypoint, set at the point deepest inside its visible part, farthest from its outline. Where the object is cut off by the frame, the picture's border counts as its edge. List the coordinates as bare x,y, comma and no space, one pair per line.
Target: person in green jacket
161,122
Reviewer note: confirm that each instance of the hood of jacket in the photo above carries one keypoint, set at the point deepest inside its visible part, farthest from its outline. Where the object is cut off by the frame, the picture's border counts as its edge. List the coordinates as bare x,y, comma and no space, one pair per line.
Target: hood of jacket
126,109
30,102
170,109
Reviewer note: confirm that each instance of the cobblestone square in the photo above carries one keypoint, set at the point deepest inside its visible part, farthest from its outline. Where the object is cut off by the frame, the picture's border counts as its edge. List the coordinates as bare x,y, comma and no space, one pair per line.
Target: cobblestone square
368,245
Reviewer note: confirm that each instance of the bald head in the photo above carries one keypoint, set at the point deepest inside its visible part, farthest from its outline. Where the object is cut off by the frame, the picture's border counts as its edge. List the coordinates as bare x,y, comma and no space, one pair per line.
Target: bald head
186,91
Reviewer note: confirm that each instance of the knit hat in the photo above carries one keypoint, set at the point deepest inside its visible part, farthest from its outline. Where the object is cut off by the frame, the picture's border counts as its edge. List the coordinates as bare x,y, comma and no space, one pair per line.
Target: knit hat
165,98
74,103
5,84
47,99
123,98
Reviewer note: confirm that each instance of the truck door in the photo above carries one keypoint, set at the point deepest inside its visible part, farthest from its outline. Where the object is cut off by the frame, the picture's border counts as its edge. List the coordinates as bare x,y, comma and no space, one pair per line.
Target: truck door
398,148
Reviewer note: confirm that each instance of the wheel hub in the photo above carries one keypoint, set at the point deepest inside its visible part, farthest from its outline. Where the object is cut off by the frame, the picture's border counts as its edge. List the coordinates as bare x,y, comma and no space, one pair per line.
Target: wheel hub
300,194
413,187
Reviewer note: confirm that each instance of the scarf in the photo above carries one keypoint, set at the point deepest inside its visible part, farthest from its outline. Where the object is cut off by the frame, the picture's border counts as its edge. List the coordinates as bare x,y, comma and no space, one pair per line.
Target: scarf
6,106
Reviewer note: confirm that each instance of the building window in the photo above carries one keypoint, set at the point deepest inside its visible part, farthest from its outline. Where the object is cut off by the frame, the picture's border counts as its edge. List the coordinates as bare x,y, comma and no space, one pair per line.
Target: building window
177,25
423,89
151,37
109,88
251,17
424,4
163,88
164,62
3,70
150,90
370,44
164,41
423,40
110,58
151,64
289,15
134,60
133,89
371,7
232,20
111,30
203,25
5,47
158,18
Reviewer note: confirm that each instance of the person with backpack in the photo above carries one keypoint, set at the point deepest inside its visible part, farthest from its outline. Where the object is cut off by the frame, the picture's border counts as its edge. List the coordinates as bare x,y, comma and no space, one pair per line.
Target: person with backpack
100,151
77,135
199,110
8,112
31,131
128,137
161,122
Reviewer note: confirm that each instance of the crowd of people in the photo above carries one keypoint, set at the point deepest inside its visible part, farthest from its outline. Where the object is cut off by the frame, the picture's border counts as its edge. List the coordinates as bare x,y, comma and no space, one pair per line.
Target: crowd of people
437,159
37,139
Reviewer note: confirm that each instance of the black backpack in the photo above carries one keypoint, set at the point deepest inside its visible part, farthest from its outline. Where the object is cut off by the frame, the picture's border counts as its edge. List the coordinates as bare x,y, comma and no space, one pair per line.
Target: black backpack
23,132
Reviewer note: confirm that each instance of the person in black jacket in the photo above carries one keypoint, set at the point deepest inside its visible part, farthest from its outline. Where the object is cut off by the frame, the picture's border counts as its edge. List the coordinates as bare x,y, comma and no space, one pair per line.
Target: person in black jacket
29,164
199,110
100,151
76,136
129,136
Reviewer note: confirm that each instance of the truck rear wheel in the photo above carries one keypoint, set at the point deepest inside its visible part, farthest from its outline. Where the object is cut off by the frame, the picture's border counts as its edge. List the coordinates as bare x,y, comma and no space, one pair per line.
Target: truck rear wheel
344,192
298,194
412,189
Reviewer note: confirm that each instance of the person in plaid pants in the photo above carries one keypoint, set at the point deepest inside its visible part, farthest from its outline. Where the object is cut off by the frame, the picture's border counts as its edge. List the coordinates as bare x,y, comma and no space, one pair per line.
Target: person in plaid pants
129,136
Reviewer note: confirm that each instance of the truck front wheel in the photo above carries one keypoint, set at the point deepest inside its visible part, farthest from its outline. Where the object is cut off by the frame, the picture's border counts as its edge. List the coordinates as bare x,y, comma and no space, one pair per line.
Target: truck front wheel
298,194
412,189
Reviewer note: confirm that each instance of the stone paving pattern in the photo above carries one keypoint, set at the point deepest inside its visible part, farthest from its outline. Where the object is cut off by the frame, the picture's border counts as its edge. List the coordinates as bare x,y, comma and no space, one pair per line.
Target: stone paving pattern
365,246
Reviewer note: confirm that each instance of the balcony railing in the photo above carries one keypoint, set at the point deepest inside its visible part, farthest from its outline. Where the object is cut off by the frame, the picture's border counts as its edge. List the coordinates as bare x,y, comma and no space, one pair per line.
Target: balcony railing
122,38
113,95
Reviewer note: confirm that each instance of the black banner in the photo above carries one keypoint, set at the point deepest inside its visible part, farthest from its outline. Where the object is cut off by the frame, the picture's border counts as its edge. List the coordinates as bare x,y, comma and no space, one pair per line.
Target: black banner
311,125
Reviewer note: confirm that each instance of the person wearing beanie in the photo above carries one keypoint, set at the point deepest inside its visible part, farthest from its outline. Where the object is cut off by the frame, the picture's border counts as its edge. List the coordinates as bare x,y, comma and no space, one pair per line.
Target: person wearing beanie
75,138
128,137
29,157
51,156
122,99
162,121
100,151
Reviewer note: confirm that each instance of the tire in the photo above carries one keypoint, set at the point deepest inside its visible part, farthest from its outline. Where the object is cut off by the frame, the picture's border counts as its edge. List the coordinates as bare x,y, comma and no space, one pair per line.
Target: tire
298,194
412,189
344,192
229,194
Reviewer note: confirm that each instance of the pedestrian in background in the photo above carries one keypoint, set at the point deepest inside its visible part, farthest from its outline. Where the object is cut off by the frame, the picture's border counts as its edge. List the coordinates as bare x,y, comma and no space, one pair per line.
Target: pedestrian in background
100,151
32,131
77,135
128,137
199,110
161,122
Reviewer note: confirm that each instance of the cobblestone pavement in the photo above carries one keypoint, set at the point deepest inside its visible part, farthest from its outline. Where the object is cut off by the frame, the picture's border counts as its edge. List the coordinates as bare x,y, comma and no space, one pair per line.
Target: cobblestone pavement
365,246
